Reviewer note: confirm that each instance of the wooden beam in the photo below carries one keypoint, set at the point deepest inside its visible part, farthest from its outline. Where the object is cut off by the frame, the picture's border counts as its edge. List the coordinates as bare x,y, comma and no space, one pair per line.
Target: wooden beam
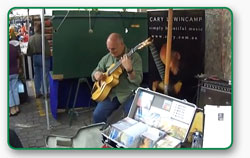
168,50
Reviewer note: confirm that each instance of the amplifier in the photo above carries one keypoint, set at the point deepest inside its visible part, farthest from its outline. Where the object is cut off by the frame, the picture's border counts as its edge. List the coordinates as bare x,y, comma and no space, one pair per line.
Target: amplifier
213,93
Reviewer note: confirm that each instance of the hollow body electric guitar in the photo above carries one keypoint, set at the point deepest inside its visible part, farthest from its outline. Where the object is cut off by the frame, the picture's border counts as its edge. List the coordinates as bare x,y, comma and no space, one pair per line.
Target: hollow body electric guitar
159,59
102,88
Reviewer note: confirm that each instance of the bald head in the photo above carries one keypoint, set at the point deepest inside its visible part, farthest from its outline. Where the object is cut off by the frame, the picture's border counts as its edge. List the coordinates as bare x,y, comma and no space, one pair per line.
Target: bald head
115,37
115,44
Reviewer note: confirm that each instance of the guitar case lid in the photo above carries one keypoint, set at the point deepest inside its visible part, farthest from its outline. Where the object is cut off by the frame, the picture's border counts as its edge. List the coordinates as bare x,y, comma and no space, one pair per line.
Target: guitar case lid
86,137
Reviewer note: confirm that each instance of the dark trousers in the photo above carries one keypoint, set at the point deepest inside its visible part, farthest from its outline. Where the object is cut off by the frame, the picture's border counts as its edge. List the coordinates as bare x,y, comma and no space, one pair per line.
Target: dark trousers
105,108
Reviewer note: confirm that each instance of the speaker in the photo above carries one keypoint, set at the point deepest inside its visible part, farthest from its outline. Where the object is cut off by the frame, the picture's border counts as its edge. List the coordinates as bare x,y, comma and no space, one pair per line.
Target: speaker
213,92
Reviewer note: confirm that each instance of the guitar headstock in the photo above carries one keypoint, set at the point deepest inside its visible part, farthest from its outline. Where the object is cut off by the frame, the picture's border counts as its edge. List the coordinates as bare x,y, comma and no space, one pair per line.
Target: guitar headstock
145,43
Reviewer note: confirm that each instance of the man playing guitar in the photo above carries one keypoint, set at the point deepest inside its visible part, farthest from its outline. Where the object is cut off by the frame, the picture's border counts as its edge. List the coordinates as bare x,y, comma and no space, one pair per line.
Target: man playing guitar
129,77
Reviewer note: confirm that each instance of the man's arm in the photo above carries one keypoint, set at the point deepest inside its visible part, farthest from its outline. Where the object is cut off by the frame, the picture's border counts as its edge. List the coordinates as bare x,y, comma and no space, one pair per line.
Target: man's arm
128,66
136,74
29,49
19,57
97,74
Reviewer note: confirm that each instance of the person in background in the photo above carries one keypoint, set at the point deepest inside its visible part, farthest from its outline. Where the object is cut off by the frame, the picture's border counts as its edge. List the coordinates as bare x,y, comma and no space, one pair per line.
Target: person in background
12,33
23,29
181,79
35,50
25,37
14,62
129,80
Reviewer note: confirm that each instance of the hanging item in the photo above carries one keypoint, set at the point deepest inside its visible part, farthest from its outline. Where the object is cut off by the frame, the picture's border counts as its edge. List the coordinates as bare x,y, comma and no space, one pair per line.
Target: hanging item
90,27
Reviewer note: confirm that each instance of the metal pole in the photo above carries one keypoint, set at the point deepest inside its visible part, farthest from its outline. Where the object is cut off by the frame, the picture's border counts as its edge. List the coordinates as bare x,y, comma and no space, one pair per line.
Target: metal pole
28,23
23,57
44,73
29,62
29,58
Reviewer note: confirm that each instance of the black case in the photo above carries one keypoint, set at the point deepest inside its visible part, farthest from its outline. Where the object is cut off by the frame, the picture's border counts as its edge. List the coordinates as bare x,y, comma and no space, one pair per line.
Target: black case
171,110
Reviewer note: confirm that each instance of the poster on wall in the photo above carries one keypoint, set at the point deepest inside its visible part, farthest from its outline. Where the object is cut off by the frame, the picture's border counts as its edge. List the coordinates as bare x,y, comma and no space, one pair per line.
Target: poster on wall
188,49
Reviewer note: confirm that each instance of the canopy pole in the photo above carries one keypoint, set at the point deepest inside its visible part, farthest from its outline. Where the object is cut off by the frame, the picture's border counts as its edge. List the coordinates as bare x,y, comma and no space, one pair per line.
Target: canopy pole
168,50
29,57
44,73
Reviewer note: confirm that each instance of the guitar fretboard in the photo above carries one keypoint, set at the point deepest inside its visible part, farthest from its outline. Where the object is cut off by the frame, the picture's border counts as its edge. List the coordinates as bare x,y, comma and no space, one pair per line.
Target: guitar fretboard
160,66
119,63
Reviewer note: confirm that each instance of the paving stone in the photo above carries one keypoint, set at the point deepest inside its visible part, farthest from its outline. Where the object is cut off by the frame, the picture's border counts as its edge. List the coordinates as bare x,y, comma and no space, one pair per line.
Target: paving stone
40,143
31,141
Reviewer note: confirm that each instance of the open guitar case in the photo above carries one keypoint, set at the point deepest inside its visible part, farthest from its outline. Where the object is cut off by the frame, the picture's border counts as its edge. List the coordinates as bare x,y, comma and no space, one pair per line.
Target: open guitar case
170,119
87,136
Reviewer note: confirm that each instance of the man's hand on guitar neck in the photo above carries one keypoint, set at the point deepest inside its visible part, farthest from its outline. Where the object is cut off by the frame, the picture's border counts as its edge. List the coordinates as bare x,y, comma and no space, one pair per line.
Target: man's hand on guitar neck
99,76
127,65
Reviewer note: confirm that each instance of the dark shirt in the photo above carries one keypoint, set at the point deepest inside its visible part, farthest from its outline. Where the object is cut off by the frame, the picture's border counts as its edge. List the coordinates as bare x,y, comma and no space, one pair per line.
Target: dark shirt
126,85
35,45
13,59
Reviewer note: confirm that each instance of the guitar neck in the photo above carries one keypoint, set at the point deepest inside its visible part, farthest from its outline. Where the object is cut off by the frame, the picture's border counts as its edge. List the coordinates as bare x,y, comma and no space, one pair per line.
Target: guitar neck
160,66
132,51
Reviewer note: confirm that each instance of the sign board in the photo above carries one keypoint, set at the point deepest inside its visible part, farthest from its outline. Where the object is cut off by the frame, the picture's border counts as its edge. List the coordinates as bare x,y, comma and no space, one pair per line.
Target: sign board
188,38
